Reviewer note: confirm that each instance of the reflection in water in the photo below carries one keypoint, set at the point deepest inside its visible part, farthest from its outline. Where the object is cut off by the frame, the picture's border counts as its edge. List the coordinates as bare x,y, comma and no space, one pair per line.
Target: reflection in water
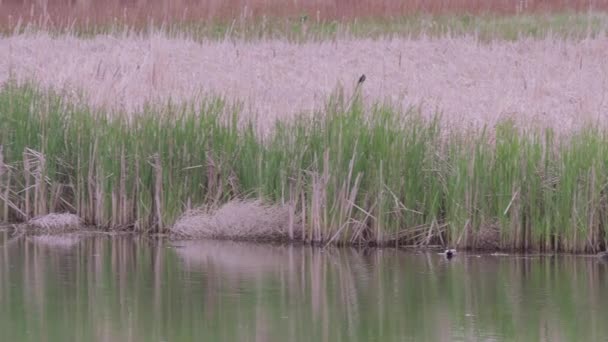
66,241
140,289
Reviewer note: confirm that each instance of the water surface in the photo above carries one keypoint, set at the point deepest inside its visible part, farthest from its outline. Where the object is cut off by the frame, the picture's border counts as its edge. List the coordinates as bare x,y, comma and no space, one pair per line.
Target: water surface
127,288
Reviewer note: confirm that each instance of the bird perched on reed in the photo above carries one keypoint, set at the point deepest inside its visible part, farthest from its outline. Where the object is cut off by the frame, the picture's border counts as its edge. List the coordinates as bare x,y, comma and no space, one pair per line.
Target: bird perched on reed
356,93
361,79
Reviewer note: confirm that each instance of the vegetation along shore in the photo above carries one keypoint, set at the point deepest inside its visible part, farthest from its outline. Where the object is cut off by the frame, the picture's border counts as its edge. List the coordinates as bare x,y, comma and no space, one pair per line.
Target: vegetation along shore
351,174
478,125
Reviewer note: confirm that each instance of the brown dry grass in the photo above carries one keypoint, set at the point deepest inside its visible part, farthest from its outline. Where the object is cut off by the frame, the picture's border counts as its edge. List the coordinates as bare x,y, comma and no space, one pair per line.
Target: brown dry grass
539,82
138,13
134,12
251,220
55,222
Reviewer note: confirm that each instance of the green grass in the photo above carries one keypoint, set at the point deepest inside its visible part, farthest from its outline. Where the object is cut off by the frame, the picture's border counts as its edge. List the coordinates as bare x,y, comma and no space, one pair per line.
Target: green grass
306,28
378,176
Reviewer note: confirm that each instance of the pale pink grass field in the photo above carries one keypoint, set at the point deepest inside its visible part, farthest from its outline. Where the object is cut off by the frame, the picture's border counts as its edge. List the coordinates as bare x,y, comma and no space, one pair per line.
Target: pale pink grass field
548,82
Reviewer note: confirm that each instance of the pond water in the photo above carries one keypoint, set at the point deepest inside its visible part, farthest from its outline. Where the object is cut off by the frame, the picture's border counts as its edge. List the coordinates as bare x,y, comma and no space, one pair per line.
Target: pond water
128,288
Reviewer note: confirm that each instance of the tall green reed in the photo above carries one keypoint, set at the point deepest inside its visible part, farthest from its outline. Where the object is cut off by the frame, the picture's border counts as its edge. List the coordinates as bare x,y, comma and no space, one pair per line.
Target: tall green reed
350,174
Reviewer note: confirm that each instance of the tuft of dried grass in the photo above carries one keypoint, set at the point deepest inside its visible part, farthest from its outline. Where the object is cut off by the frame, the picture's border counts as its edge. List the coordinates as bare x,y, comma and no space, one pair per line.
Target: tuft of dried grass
56,222
238,220
487,237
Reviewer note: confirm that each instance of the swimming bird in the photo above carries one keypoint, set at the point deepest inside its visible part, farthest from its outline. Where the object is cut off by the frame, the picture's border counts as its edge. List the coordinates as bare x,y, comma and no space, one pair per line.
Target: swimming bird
603,255
450,253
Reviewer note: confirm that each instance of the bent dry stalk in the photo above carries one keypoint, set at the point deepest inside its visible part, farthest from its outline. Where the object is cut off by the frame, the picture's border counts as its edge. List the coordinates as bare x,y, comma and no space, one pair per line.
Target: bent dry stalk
346,176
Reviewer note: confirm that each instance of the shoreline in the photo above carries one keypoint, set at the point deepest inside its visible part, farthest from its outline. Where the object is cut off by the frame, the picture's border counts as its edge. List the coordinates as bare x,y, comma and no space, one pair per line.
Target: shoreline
174,242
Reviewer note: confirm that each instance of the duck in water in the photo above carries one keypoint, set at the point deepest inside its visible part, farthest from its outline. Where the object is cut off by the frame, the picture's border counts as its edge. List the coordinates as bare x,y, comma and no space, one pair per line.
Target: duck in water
450,253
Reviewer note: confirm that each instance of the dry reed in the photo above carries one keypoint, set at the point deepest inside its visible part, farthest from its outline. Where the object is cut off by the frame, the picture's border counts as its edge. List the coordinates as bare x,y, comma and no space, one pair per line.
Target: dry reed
549,82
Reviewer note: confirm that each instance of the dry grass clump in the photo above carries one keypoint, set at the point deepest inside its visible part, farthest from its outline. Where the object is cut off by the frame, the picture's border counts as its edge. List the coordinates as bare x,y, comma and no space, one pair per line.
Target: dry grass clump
56,222
487,237
237,219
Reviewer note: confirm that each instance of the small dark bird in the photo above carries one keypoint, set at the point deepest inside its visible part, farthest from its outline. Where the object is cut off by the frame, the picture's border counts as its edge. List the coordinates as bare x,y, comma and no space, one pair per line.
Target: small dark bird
450,253
361,79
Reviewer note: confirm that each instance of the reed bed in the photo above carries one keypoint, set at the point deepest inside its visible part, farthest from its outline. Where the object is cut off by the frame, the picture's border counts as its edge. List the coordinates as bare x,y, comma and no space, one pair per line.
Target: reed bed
543,83
350,174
